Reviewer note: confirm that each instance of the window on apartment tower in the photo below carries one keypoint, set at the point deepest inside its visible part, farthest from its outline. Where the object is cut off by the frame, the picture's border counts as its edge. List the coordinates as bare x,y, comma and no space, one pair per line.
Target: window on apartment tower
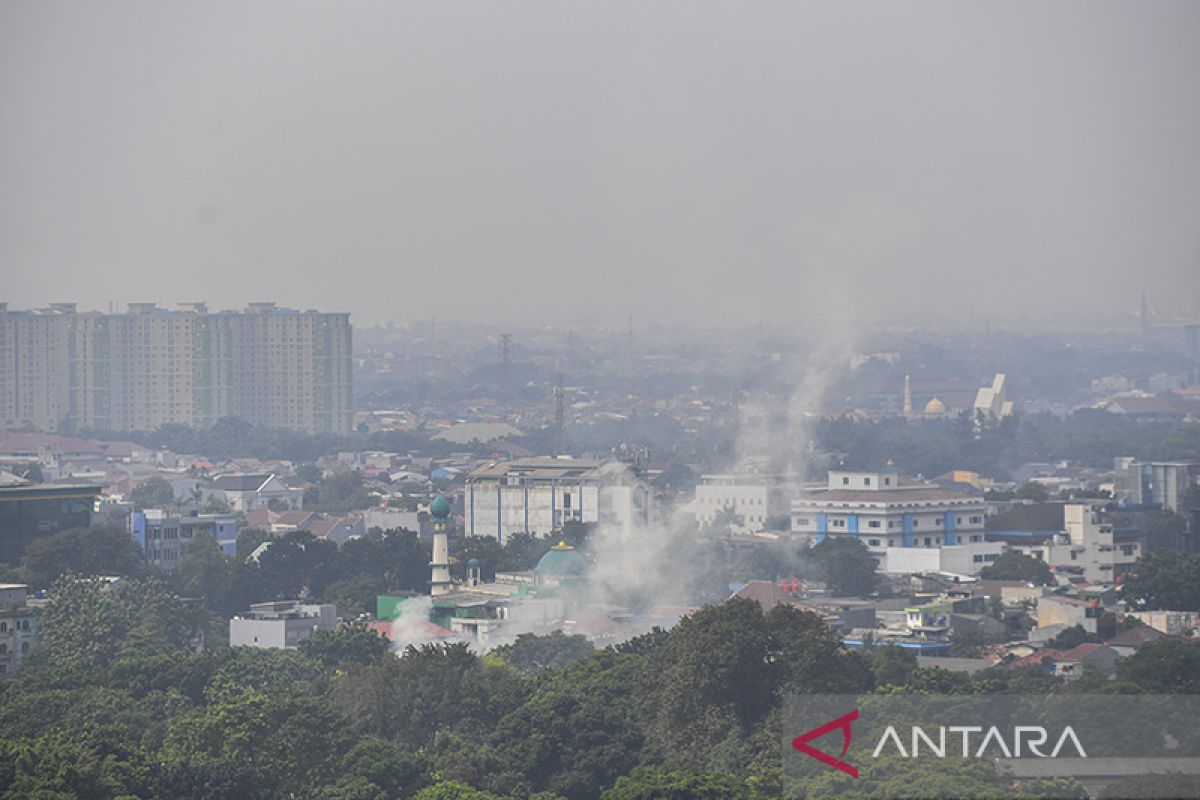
845,481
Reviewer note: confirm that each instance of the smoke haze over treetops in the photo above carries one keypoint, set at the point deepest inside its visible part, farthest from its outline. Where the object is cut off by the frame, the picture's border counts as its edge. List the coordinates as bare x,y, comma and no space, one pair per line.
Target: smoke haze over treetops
707,162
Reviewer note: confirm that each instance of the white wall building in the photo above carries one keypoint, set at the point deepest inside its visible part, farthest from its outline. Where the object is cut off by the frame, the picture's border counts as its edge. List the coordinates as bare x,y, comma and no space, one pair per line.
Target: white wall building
888,513
280,624
541,495
754,499
251,491
1069,537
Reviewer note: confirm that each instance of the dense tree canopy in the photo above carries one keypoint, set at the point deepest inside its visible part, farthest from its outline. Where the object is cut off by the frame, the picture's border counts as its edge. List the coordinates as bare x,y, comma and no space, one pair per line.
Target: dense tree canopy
845,565
99,550
1018,567
1165,580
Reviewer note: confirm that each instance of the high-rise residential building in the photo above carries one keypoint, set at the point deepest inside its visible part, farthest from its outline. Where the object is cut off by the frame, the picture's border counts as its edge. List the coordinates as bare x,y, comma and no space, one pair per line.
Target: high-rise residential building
62,369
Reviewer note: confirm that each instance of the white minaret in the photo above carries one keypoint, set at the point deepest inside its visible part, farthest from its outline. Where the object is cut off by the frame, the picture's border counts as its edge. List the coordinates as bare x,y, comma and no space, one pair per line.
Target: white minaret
440,583
907,397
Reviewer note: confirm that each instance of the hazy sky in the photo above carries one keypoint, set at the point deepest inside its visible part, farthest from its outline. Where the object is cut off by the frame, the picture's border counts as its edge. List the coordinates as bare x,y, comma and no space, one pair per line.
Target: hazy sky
559,161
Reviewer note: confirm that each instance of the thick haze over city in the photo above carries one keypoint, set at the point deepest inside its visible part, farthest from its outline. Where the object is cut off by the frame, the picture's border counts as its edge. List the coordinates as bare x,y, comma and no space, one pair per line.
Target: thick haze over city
575,163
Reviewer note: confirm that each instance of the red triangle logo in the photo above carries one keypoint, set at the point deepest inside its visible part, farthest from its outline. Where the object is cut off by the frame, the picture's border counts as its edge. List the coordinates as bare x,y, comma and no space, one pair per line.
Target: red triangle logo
843,722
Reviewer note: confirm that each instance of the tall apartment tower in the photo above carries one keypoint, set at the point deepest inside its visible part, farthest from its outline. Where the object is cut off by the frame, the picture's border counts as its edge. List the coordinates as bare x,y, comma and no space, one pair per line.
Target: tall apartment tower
61,369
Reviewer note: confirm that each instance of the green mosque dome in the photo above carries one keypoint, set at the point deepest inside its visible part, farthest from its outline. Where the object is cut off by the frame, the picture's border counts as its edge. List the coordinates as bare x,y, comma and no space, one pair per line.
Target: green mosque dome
561,561
440,507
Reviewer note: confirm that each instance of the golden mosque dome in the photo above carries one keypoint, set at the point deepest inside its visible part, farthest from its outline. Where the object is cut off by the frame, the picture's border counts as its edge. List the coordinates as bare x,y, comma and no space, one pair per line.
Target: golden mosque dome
935,408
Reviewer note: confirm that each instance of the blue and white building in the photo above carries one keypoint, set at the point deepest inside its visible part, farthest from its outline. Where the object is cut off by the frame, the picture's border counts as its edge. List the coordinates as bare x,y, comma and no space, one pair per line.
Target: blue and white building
164,536
908,525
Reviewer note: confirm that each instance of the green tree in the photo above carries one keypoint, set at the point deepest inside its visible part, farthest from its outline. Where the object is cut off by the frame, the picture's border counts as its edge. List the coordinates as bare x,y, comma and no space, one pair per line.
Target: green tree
354,643
154,493
530,653
892,665
248,540
297,564
55,768
1032,490
1018,567
576,734
99,550
1165,580
428,693
290,743
453,790
397,772
721,670
309,473
207,573
846,566
1072,637
89,623
669,783
1163,667
1165,530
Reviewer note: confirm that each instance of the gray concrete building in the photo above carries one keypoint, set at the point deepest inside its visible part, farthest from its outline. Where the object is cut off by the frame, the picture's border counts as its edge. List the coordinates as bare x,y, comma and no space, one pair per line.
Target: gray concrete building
282,624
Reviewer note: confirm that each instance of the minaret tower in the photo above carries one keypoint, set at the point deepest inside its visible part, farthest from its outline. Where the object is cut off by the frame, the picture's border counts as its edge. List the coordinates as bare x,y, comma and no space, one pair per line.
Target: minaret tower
907,397
440,583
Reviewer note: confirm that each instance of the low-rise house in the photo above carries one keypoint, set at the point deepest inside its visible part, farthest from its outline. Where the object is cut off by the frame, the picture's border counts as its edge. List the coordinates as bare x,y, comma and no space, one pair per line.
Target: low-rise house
1172,623
250,491
1071,611
1127,642
1071,663
280,624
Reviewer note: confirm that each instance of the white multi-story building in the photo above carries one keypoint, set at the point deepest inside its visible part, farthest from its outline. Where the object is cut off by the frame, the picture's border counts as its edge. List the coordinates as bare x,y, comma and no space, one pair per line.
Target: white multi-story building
752,498
893,517
62,369
541,495
1073,538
